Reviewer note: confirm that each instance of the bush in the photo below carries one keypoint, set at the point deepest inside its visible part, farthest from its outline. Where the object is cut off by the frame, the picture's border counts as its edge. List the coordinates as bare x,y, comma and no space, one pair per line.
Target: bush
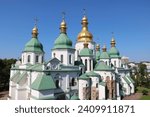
145,92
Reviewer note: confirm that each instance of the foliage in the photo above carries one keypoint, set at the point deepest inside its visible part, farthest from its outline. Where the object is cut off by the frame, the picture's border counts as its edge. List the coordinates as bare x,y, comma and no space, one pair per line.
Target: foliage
145,92
5,65
140,89
141,77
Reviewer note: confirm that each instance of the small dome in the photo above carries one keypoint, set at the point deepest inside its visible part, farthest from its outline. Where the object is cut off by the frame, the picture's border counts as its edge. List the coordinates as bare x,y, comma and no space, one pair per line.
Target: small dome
101,66
104,54
86,51
114,52
63,41
34,45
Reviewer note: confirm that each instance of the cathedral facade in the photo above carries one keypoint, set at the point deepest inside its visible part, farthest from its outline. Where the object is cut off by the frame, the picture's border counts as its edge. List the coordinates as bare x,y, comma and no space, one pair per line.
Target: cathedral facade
82,72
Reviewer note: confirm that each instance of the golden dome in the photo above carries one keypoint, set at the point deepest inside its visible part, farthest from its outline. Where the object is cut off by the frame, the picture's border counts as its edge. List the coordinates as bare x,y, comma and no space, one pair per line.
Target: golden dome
113,42
63,26
35,32
85,35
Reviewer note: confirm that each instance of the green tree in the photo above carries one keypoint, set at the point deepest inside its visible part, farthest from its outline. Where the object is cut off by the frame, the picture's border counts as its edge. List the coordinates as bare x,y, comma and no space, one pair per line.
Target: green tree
5,65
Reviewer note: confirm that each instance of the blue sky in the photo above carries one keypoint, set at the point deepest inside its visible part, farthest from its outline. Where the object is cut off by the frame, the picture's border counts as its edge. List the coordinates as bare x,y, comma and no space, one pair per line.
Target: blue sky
128,19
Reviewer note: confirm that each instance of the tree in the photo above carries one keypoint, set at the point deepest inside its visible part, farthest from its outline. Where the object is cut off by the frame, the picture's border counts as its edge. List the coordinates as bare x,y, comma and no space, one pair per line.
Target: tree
5,65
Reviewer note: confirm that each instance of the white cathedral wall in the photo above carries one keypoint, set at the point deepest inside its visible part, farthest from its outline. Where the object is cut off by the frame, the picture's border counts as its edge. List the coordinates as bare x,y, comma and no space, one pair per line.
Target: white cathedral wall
82,84
65,79
107,61
89,59
102,95
21,92
32,57
116,62
104,74
12,89
79,46
65,52
41,94
95,80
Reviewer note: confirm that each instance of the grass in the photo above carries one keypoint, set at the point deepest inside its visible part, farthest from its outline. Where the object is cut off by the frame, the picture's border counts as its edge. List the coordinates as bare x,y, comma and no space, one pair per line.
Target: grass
145,97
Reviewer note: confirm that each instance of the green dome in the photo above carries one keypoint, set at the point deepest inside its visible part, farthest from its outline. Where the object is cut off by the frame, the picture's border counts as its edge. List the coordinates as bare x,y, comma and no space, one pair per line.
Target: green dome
62,42
114,52
92,73
104,55
97,55
101,66
86,52
33,46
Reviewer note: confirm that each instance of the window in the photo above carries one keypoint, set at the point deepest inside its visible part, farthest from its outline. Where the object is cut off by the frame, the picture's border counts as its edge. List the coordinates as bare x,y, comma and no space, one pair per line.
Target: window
69,59
29,58
106,62
61,58
73,82
42,59
57,83
115,63
90,64
85,64
54,55
37,59
96,85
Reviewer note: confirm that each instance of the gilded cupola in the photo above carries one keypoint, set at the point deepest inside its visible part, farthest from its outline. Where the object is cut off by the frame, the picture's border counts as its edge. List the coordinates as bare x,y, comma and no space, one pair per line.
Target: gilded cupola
84,35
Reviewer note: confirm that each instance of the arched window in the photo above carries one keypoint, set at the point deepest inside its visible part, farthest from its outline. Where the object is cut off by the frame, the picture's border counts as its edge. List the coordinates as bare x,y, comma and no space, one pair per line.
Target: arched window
115,63
29,58
57,83
37,59
61,58
85,64
69,59
73,82
90,64
42,59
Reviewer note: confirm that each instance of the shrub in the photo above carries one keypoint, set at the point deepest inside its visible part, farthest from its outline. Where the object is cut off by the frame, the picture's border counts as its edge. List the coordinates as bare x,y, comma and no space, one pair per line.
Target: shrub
145,92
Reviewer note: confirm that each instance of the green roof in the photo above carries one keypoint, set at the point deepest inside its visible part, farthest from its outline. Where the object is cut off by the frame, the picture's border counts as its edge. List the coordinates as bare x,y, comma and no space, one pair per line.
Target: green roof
102,83
101,66
34,46
97,55
35,67
126,80
114,53
130,79
62,42
104,55
74,97
22,76
43,82
84,77
15,76
92,73
86,52
44,98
